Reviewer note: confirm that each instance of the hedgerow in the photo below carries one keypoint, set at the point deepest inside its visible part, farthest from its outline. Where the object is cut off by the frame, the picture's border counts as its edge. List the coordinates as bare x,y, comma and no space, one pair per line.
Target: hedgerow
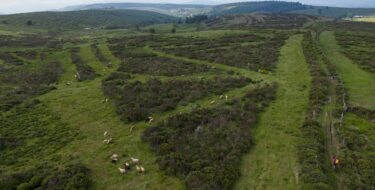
315,172
71,176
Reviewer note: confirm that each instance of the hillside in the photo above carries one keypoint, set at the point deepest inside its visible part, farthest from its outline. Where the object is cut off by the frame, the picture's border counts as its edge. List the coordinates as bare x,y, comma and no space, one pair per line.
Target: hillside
288,7
184,10
336,12
261,20
170,9
85,19
262,100
261,6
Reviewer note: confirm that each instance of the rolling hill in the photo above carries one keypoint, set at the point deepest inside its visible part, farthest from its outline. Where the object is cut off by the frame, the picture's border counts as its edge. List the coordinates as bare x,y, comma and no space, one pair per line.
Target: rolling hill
184,10
288,7
337,12
170,9
85,19
252,7
261,20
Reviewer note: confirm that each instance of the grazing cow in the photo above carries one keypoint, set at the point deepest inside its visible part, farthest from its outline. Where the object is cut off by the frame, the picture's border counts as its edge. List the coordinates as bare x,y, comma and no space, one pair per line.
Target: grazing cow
212,102
122,170
226,98
134,160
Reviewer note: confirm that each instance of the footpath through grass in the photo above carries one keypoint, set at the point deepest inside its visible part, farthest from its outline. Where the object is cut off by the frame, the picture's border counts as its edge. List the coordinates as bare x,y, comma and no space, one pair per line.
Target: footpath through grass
358,83
272,164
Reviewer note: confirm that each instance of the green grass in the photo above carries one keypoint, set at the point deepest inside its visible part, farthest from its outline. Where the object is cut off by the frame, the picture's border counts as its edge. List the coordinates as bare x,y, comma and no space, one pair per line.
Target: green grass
85,19
272,164
360,124
365,19
88,57
359,83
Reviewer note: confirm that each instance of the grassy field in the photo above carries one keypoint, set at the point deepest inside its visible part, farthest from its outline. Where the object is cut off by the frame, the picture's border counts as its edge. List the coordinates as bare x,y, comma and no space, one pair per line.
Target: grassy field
365,19
358,82
272,164
80,105
82,109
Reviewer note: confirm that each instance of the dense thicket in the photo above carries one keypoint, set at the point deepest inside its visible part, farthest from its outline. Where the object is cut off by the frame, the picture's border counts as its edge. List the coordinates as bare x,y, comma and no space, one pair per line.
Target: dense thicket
136,101
31,41
161,66
27,54
31,131
315,172
19,84
357,161
204,147
10,59
247,51
84,71
73,176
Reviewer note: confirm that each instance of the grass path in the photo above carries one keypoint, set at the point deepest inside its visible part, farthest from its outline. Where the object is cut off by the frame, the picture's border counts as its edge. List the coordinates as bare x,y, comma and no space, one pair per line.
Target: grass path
272,164
359,83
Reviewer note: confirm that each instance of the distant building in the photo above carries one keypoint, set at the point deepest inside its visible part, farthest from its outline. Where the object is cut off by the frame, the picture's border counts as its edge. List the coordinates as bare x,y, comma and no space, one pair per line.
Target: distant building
357,16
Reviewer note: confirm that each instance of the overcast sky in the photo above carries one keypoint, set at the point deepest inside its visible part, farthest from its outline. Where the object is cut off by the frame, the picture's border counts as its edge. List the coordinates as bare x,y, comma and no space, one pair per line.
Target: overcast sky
16,6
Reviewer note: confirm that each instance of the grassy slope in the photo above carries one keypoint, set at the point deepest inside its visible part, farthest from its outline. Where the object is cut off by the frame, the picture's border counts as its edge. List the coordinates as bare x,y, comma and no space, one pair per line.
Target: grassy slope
272,163
359,83
80,105
83,19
